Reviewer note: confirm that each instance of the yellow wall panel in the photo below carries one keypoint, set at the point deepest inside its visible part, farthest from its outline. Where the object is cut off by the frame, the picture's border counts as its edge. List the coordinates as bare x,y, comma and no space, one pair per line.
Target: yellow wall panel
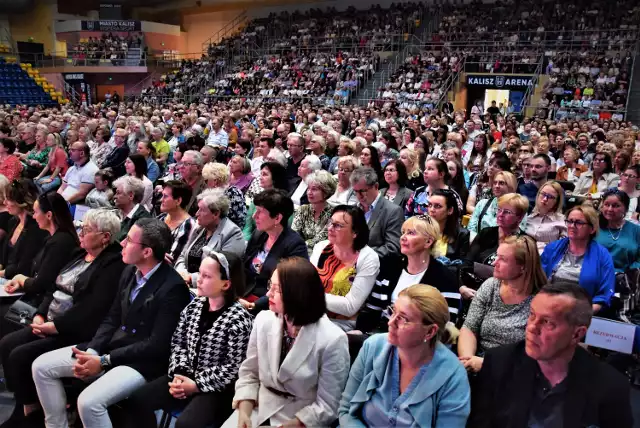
37,24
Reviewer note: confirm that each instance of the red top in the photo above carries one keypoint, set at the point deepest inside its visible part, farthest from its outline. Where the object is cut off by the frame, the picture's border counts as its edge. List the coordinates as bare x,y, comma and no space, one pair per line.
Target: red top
58,159
11,167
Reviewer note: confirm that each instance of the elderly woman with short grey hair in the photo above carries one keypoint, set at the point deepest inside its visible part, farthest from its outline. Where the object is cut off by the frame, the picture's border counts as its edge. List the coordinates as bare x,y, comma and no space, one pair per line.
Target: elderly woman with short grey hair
317,146
240,170
128,199
308,165
71,310
215,231
216,176
311,220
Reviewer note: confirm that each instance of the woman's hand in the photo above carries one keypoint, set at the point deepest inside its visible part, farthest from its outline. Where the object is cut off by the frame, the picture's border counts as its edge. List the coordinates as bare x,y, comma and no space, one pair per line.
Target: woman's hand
11,287
182,387
20,279
44,329
472,364
245,408
247,305
467,293
295,422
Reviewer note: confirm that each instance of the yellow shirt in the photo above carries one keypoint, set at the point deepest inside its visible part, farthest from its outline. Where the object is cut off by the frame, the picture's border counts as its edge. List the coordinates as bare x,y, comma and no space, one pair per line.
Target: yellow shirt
441,246
594,186
162,147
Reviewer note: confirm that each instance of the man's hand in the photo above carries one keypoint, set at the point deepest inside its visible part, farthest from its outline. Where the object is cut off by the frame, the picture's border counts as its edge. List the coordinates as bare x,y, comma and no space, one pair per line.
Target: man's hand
87,365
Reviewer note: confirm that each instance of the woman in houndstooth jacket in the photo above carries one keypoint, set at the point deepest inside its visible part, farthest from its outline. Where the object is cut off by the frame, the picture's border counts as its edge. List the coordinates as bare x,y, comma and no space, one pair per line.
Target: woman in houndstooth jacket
207,349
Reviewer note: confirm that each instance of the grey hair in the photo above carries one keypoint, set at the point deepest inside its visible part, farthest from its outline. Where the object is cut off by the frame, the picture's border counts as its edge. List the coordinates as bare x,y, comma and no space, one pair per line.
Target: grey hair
156,130
364,172
131,185
324,180
104,220
314,162
197,157
321,140
298,136
276,155
216,201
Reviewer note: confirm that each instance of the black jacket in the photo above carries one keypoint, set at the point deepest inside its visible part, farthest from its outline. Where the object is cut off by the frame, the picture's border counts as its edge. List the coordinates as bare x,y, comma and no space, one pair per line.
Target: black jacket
436,275
18,259
288,244
458,249
93,294
138,334
127,222
51,258
597,395
115,160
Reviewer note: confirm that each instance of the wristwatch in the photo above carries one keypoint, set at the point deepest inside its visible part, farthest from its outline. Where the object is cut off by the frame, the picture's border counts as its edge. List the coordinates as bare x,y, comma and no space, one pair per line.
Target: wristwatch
105,361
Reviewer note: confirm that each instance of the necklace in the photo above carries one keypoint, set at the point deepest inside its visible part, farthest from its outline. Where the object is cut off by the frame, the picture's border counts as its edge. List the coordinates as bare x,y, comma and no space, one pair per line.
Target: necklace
615,238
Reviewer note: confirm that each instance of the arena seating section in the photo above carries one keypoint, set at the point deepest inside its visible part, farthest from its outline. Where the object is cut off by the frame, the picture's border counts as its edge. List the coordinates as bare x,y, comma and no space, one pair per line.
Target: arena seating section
19,84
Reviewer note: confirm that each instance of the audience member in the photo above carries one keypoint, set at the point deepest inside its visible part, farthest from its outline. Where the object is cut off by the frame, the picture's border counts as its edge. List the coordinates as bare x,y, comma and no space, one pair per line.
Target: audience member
546,222
175,196
128,199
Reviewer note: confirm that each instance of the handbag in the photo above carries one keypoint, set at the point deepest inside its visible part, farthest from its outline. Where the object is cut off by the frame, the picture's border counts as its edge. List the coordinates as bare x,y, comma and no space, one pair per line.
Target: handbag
21,313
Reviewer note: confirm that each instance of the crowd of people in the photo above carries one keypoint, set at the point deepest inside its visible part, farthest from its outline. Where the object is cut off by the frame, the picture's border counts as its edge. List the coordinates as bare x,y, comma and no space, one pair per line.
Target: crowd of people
436,251
109,46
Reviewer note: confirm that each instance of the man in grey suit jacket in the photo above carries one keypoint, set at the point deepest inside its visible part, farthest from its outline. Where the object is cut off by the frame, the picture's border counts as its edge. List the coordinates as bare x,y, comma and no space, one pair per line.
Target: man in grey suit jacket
384,218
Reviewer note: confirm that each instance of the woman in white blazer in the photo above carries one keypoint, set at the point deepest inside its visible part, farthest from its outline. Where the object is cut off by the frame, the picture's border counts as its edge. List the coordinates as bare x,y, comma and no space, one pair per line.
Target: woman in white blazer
215,232
297,361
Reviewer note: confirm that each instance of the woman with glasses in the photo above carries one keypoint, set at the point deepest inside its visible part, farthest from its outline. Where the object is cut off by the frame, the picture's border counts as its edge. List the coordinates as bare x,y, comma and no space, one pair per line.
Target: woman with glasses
347,265
600,178
483,186
297,361
573,166
408,376
485,214
416,264
618,235
580,259
546,222
76,301
215,232
395,180
512,209
344,194
629,180
207,348
500,308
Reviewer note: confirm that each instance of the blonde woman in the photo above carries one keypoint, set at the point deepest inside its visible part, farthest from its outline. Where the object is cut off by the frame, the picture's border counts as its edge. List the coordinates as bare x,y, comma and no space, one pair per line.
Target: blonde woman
217,176
434,382
546,222
416,264
500,309
344,193
50,177
485,214
411,160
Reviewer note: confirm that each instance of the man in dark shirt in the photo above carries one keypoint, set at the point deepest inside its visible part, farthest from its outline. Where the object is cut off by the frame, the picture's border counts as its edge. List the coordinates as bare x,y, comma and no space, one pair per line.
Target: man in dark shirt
540,165
493,110
548,380
295,144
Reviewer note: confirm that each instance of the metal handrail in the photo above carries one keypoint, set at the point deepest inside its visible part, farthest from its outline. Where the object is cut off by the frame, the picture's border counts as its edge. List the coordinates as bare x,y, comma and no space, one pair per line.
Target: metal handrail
531,89
633,66
453,79
230,27
71,94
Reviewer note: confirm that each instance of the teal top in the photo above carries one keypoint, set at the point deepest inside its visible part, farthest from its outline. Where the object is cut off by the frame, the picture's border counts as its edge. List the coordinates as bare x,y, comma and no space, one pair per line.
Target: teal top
625,248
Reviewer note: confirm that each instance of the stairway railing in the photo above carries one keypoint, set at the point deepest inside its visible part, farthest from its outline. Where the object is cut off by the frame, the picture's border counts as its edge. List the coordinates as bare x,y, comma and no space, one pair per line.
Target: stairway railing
225,31
526,99
71,94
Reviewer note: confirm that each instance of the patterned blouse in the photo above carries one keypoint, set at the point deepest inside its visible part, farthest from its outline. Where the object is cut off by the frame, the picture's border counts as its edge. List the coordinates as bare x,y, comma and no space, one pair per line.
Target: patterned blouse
42,156
100,152
11,167
310,229
418,203
545,228
337,278
237,208
180,235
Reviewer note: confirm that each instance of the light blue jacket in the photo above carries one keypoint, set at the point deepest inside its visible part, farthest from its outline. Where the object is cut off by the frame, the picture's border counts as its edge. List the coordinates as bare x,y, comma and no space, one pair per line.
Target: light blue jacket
441,400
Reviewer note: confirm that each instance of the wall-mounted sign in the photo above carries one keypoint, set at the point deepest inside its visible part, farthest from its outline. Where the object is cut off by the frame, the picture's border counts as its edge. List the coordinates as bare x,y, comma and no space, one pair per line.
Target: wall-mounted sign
74,77
499,81
113,25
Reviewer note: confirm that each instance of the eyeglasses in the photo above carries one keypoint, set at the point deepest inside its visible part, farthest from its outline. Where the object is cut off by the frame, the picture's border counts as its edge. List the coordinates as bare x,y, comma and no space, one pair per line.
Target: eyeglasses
400,320
362,192
629,176
503,211
599,160
545,195
575,223
85,231
335,225
187,164
345,170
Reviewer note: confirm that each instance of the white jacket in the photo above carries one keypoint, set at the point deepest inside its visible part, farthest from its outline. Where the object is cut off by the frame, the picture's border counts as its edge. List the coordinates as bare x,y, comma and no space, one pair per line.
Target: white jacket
315,372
